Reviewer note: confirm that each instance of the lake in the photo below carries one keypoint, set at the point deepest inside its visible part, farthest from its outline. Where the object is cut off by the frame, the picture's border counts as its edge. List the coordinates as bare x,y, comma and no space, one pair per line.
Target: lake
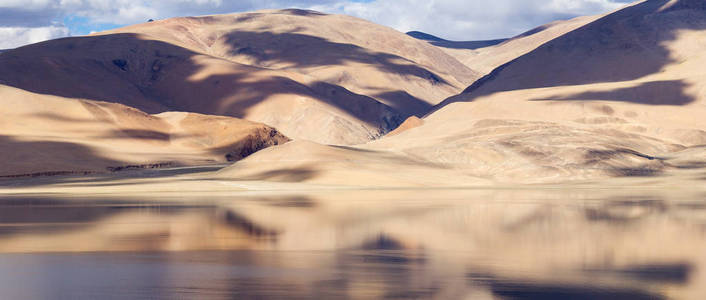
347,244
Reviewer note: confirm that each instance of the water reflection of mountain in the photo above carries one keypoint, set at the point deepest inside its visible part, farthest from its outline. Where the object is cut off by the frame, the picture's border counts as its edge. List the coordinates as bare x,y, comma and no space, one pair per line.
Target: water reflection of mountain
405,244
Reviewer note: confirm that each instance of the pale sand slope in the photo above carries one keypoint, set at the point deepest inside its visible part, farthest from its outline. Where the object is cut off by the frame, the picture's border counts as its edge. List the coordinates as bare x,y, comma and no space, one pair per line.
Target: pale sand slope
49,135
486,59
288,69
489,153
311,163
547,117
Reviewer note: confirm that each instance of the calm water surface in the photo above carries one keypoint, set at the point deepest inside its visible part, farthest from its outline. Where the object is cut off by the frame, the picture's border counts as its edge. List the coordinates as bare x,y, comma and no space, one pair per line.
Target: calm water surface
524,244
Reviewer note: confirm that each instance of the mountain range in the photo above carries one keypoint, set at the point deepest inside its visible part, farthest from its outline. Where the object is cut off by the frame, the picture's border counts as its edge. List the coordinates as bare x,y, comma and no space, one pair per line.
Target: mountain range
305,97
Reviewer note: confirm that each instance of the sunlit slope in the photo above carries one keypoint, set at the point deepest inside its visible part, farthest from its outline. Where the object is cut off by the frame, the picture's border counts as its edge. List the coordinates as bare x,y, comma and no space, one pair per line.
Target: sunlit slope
486,59
49,135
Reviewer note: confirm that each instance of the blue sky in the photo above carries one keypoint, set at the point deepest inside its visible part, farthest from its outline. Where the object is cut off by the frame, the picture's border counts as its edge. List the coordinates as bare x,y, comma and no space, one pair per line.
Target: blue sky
79,25
29,21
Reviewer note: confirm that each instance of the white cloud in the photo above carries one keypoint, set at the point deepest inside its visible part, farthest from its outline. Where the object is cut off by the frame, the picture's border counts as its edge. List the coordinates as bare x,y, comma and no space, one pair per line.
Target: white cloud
465,19
124,12
26,3
12,37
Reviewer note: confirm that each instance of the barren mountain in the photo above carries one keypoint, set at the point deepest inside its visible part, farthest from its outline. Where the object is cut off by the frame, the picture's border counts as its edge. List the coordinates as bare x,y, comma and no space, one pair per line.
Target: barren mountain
326,78
622,96
618,96
361,56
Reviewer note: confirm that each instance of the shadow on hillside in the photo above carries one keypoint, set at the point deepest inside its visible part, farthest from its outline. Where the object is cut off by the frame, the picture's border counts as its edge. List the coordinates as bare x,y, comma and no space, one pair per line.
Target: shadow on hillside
53,161
532,31
299,174
155,76
302,51
48,158
99,180
667,92
245,17
139,134
626,45
403,101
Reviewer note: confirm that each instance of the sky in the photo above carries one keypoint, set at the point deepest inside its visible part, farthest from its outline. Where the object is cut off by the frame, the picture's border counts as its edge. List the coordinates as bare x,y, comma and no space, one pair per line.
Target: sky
29,21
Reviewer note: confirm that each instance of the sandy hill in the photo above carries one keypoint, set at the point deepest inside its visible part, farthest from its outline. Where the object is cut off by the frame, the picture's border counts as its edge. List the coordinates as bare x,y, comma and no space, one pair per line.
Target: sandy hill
312,163
649,53
363,57
485,59
618,96
622,96
49,135
326,78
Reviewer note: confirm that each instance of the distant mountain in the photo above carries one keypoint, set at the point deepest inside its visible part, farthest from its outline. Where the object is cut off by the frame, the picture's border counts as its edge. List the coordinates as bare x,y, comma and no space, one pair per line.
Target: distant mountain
437,41
492,55
425,36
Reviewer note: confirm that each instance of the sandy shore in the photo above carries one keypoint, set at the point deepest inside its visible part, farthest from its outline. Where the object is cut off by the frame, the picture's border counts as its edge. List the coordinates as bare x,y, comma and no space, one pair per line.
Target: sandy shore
207,181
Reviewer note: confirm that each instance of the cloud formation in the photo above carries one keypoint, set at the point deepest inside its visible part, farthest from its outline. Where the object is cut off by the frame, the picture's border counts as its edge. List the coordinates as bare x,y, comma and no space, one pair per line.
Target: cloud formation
11,37
471,20
28,21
